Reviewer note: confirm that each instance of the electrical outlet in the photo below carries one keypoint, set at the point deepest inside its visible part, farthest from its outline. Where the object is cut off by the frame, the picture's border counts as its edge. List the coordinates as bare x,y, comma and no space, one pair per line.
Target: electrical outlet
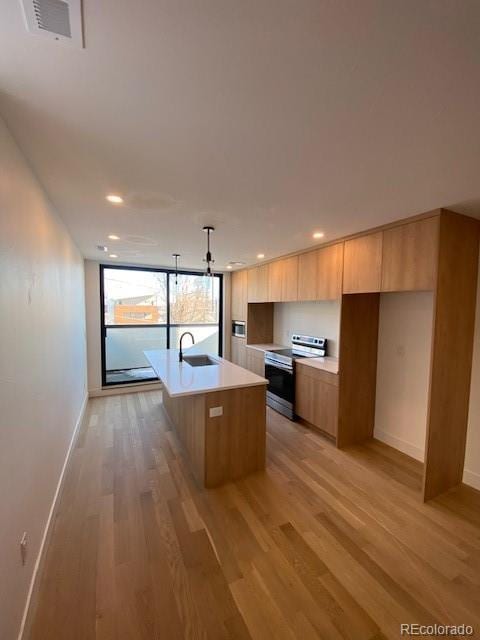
215,412
23,548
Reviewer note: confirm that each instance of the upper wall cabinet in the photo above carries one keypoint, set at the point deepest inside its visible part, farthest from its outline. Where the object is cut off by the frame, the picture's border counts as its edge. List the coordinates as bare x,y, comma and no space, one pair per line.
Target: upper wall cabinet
239,295
283,280
320,273
275,278
410,256
362,268
290,279
307,275
330,272
257,284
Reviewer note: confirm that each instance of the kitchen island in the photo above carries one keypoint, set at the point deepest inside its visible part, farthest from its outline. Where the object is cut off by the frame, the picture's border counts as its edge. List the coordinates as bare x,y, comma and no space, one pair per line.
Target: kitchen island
218,411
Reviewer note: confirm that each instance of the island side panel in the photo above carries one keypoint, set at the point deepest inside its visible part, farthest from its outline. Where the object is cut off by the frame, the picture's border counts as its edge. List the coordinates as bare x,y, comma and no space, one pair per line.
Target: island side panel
235,441
187,414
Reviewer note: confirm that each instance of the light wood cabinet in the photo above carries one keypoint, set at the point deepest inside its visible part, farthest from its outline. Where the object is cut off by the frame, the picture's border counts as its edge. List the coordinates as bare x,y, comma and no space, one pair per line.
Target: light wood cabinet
316,398
410,253
260,323
283,280
239,351
220,448
330,272
256,361
239,295
307,275
290,279
362,265
257,284
275,279
359,319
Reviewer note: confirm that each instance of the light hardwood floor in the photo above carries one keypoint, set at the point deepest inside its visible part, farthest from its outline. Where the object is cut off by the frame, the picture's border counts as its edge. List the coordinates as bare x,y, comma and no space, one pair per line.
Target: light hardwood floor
325,544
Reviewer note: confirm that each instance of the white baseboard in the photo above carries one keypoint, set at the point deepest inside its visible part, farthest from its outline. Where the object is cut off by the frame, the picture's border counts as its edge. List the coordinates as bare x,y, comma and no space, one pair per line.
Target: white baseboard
125,388
50,518
402,445
471,478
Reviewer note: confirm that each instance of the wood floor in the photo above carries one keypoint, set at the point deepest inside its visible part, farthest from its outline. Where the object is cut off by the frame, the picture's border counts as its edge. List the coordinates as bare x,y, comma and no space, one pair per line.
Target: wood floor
325,544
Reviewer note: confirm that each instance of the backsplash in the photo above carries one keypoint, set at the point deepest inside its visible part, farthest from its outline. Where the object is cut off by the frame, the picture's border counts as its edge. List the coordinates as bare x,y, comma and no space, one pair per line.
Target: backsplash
320,319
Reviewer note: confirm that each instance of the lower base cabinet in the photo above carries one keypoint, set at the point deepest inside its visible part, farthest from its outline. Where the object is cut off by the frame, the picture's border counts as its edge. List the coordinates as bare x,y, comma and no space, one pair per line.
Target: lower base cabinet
256,361
239,352
316,398
246,357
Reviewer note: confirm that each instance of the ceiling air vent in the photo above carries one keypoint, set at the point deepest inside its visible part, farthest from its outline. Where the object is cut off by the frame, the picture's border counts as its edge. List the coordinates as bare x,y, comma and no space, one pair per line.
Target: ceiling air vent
59,20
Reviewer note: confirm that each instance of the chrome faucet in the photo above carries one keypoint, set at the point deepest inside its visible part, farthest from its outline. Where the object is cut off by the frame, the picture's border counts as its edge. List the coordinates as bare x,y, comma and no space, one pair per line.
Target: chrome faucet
180,355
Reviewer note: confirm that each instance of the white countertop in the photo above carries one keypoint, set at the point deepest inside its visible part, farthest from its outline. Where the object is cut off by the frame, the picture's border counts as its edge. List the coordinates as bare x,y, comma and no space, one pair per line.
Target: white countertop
328,363
265,347
181,379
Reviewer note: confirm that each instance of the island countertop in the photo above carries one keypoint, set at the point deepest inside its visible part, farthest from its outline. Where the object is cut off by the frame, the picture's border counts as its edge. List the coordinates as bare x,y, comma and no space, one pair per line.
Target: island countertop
181,379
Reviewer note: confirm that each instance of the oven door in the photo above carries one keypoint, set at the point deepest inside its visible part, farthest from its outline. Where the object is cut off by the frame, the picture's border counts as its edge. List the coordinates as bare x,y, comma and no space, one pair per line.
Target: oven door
280,381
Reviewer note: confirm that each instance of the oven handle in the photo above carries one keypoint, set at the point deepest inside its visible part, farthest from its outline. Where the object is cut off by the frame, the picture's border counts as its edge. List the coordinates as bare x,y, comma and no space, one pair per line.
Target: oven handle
283,367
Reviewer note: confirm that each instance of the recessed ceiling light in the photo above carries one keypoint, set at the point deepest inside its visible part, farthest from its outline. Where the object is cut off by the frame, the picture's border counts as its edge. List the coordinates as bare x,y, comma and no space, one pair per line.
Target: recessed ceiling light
318,234
114,199
112,255
260,256
229,266
113,237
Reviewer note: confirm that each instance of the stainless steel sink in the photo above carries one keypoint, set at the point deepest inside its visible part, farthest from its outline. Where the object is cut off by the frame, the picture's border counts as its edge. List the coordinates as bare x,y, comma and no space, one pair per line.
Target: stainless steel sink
199,360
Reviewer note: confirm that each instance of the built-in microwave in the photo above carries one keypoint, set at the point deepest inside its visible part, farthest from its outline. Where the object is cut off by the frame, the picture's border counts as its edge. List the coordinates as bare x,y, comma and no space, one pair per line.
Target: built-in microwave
239,328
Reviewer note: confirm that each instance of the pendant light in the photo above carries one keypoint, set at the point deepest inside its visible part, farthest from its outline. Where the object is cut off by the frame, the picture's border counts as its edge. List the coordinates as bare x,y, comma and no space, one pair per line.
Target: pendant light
176,256
208,257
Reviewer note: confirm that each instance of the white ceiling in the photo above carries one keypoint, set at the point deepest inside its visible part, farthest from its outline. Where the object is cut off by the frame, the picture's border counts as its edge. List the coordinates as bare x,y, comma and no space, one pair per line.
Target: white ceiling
266,118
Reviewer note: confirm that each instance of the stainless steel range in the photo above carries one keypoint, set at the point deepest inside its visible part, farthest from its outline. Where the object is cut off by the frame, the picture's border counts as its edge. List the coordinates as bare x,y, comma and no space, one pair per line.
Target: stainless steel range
280,371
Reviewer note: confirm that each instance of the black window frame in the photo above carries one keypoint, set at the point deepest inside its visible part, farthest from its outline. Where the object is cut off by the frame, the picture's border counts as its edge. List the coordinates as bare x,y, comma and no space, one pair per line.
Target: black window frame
167,325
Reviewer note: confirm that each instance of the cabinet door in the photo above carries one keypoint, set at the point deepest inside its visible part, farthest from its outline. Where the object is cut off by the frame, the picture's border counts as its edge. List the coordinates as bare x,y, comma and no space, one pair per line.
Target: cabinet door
234,349
283,280
239,295
275,278
307,275
290,279
242,354
326,407
316,400
238,349
257,286
252,284
304,396
362,266
330,272
410,256
256,361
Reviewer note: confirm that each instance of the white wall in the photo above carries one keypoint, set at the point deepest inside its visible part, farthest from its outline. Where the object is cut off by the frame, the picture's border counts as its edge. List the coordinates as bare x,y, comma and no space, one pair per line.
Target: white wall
320,319
471,474
403,370
404,346
42,368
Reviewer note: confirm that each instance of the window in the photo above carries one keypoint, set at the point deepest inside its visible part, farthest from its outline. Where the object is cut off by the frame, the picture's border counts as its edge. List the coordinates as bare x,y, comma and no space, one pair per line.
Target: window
194,299
149,309
132,296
